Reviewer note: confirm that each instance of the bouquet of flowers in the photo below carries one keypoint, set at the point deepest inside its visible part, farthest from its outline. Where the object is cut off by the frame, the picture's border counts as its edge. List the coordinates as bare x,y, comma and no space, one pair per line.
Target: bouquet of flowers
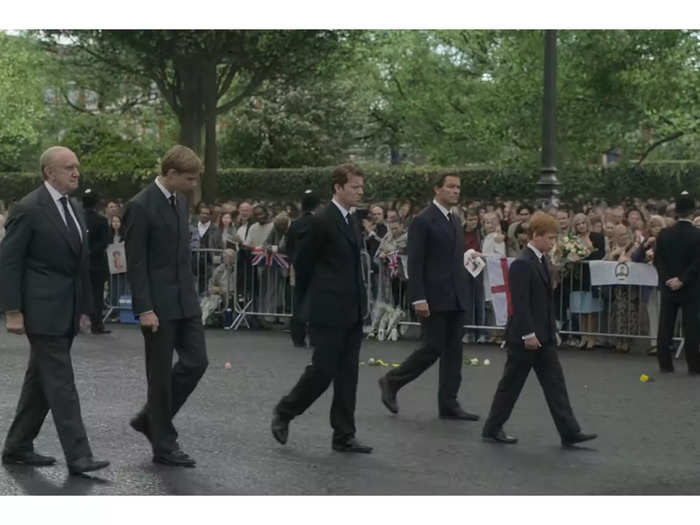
572,249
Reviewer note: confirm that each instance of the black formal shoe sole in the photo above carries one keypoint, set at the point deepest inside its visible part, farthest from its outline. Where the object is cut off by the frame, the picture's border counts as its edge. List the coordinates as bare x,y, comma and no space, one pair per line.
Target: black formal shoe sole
353,450
466,417
280,430
10,459
576,441
97,465
139,427
388,400
503,441
174,462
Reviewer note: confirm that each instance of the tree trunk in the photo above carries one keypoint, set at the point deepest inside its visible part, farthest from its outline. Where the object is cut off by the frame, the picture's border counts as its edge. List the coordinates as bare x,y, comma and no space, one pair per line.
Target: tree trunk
191,114
209,179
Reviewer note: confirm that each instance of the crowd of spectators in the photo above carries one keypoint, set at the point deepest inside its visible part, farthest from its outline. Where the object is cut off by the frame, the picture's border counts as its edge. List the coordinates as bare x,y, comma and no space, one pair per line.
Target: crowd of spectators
592,230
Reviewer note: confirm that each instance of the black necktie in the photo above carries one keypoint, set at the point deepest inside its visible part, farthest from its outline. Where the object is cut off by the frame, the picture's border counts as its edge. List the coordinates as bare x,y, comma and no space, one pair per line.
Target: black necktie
173,204
543,260
70,224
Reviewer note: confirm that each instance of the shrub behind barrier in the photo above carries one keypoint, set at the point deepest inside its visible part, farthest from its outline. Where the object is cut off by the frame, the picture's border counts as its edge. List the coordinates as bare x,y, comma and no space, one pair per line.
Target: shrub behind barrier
388,183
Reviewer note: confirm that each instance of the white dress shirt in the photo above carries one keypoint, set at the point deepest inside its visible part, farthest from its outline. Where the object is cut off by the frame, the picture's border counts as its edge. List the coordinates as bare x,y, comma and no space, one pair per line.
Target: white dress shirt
202,228
56,196
165,190
343,211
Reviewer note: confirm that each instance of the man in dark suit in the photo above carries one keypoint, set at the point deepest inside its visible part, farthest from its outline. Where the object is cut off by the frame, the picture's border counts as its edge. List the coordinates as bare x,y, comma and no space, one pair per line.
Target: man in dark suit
531,335
45,293
209,238
330,279
441,295
157,243
677,259
297,231
98,240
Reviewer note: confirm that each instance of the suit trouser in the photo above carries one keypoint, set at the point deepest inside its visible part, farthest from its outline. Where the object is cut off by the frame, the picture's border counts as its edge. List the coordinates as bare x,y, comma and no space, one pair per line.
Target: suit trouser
442,338
549,373
170,385
335,359
667,322
97,283
297,326
49,385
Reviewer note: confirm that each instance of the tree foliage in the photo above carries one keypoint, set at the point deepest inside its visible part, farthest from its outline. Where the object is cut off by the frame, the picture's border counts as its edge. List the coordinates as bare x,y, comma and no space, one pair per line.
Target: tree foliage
21,99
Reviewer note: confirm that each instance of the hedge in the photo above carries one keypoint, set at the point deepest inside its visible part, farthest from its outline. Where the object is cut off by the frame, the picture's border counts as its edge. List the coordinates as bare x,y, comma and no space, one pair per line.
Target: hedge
659,180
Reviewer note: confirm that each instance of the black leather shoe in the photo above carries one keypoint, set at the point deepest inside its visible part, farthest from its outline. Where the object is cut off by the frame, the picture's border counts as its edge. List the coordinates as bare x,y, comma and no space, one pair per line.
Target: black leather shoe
174,458
500,437
99,331
459,414
666,370
577,438
140,424
29,458
352,445
388,395
280,428
86,464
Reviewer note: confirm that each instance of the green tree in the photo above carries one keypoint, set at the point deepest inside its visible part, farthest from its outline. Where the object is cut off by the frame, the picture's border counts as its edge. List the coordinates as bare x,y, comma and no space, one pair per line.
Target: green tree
202,74
21,99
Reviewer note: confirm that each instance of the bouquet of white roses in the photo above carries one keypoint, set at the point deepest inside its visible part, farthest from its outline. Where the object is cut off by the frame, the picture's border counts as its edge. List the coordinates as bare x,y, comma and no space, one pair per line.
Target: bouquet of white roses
573,249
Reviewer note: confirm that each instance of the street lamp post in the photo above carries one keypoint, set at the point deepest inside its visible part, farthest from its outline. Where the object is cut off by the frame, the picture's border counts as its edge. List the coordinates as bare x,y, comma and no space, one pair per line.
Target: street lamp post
548,184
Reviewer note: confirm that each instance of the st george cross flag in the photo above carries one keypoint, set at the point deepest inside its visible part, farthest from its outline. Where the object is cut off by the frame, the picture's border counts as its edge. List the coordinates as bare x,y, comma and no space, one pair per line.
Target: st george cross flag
497,271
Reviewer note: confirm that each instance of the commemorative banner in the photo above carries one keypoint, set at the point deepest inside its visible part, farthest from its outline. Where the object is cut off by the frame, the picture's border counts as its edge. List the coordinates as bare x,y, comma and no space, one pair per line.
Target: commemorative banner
607,273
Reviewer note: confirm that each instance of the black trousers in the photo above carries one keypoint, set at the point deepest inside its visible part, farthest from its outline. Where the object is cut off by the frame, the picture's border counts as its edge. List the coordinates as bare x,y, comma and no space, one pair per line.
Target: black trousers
545,361
667,321
335,360
49,385
442,338
97,283
170,385
296,325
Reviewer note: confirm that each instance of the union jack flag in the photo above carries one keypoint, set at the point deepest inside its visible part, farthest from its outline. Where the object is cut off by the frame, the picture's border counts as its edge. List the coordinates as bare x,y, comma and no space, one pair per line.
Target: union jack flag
280,260
393,263
260,257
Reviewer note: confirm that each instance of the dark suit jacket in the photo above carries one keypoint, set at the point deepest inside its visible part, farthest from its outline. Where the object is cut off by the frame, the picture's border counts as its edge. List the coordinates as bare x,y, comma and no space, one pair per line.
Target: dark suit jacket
436,263
328,271
211,239
532,300
297,231
98,239
677,254
43,274
158,256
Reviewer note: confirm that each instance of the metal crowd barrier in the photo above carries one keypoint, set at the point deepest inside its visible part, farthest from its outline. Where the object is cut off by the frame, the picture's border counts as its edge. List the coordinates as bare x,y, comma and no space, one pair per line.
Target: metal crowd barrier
258,284
618,312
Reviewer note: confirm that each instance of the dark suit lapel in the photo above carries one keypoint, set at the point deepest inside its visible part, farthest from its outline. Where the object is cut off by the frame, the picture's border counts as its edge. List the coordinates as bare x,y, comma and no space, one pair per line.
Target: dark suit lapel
54,217
339,220
164,206
540,268
81,222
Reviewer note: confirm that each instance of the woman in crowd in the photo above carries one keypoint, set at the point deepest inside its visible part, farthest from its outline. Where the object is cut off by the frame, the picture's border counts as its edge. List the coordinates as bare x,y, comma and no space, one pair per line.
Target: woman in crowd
582,300
228,230
494,244
472,241
651,296
626,298
116,229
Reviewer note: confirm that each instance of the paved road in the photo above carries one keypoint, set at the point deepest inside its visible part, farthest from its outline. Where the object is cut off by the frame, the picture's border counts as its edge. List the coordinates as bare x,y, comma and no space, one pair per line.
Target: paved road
648,432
